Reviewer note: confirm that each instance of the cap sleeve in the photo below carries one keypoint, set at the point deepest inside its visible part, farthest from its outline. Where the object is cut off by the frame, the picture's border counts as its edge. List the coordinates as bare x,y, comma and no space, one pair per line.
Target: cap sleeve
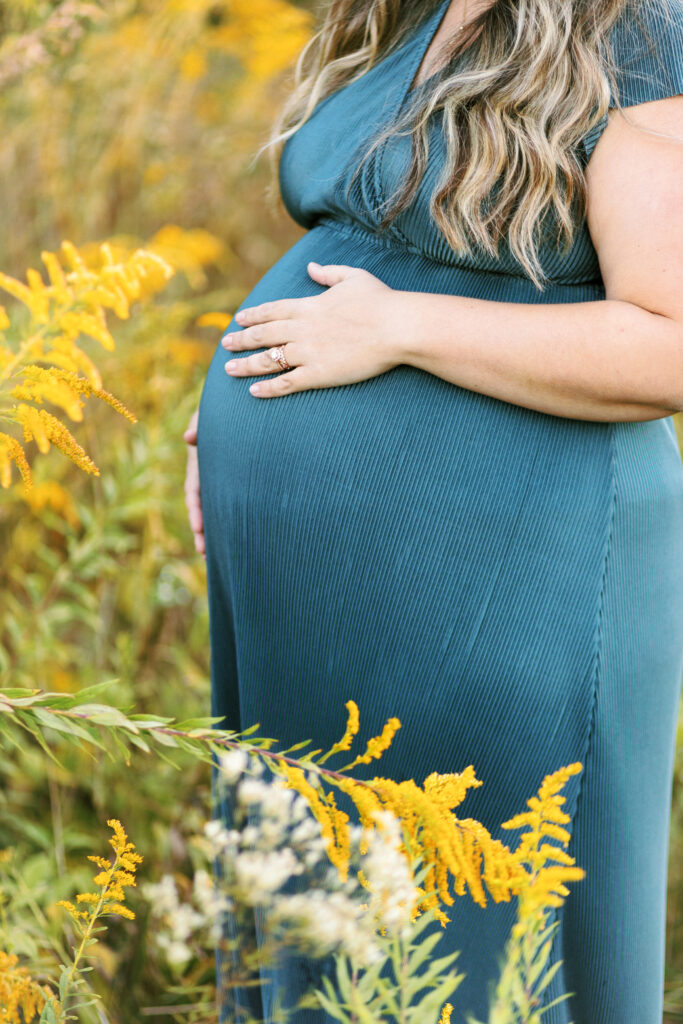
648,55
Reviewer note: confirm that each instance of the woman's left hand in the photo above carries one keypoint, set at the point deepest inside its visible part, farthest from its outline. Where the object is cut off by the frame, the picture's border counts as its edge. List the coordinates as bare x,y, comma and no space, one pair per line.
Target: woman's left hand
344,335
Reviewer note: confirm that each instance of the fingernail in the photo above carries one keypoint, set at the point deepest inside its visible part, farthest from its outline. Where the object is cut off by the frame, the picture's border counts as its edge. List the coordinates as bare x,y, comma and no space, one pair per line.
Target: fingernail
231,366
227,341
240,316
255,389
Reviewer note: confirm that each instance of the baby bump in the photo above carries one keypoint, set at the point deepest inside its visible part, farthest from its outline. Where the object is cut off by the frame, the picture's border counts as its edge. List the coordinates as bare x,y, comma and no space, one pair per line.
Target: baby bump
443,550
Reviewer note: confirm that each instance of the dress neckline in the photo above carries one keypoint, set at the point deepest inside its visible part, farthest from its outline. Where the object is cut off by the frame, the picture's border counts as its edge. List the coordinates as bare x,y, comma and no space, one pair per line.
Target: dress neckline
430,26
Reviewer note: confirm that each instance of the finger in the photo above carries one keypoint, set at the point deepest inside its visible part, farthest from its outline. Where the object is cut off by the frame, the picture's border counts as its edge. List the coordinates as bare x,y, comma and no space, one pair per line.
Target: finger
283,309
285,384
194,512
332,273
261,336
200,544
262,362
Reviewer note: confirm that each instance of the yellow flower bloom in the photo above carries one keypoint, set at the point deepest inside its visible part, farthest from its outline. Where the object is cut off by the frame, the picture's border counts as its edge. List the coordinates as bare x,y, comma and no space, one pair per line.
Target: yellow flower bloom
12,452
378,744
21,998
446,1012
220,320
112,879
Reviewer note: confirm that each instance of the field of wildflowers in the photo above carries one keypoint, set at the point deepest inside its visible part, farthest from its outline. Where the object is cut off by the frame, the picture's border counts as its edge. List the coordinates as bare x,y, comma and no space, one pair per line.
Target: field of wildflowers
127,176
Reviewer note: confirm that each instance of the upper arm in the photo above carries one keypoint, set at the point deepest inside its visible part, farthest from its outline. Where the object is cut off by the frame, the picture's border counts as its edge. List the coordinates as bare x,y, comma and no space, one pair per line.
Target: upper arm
634,174
635,205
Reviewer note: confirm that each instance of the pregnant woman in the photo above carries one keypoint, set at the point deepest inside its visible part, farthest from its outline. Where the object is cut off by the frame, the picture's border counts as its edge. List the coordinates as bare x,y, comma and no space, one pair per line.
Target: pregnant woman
439,473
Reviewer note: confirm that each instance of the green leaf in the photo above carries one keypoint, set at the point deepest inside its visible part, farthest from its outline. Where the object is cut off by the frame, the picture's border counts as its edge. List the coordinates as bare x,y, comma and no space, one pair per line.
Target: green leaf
555,1002
548,976
137,741
329,1001
250,731
196,723
422,952
63,981
297,746
48,1015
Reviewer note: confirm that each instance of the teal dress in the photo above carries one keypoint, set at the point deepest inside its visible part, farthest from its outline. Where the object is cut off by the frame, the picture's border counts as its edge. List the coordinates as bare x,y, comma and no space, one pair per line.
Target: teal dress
508,583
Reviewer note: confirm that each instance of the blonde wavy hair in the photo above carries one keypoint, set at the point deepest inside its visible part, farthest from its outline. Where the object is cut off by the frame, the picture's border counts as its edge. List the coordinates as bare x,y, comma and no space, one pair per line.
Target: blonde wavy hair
532,77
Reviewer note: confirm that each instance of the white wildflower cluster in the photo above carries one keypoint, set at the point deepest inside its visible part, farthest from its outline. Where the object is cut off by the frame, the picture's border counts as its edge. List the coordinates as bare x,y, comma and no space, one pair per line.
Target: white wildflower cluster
275,859
180,922
278,839
324,921
389,875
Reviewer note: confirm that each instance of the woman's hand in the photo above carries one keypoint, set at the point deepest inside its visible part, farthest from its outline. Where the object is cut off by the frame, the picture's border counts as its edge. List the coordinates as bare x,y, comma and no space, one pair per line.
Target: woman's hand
192,496
346,334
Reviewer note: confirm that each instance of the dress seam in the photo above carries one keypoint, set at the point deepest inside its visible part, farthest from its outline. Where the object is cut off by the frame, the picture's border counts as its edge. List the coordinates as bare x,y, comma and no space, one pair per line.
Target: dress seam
399,243
597,676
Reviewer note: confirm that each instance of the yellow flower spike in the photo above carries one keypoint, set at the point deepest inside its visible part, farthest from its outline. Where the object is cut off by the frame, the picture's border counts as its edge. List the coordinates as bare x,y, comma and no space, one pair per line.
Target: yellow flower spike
378,744
297,781
340,853
124,877
50,385
4,319
107,296
101,862
153,271
76,914
40,298
130,283
119,910
92,325
446,1012
21,998
16,289
67,444
352,726
12,452
346,741
69,356
366,801
450,790
72,257
34,428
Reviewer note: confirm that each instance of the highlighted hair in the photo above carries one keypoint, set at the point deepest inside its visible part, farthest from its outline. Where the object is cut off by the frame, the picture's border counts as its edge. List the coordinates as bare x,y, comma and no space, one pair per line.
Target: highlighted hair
532,78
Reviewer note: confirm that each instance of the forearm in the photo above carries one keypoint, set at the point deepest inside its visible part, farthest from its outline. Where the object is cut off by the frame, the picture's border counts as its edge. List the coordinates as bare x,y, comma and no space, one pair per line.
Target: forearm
606,360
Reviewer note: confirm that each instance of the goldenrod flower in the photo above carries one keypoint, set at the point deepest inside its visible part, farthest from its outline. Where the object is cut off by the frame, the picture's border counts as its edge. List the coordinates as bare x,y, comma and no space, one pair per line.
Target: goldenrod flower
297,780
43,428
46,365
11,451
352,726
112,879
378,744
446,1012
21,998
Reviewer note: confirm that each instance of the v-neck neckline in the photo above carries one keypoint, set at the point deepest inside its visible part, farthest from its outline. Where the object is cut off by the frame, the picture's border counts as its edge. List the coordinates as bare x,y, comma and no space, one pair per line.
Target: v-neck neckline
430,26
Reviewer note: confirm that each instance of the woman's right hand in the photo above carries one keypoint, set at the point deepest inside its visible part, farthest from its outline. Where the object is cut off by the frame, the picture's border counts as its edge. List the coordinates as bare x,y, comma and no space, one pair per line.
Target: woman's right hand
192,496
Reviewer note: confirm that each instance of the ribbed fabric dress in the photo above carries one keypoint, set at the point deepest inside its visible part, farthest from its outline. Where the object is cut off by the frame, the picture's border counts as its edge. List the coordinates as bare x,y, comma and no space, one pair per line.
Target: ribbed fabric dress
507,583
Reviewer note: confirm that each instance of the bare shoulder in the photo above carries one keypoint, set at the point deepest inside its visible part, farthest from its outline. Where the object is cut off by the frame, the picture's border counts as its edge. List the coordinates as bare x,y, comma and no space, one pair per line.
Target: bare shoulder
635,204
